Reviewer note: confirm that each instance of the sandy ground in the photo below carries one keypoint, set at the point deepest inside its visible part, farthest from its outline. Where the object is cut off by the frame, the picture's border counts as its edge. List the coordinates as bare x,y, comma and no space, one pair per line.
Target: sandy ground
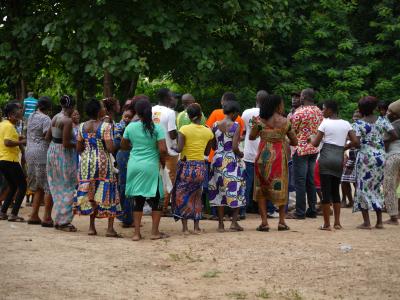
304,263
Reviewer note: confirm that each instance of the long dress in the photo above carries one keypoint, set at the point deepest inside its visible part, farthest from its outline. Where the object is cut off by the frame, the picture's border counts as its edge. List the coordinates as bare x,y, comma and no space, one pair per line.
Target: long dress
61,177
271,165
227,184
370,164
97,181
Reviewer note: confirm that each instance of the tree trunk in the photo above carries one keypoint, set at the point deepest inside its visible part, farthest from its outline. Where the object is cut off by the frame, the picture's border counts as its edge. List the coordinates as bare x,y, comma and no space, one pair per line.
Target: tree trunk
107,84
79,100
20,90
127,88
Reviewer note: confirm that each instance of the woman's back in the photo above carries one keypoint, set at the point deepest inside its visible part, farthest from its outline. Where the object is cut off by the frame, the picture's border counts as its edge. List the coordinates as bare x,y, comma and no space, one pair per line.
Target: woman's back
274,129
371,134
38,125
196,140
224,139
144,145
94,140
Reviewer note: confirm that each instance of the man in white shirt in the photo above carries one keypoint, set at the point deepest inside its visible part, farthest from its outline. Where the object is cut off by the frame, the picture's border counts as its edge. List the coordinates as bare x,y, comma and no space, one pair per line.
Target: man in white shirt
250,154
165,116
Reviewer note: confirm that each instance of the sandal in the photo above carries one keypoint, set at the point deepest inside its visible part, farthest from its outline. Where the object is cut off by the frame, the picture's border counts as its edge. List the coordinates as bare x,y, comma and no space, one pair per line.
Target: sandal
16,219
160,237
337,226
48,224
67,227
283,227
114,235
322,227
263,228
34,222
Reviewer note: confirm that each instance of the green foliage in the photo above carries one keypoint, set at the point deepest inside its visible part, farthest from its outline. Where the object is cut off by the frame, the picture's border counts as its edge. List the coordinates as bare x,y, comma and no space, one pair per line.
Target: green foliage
344,49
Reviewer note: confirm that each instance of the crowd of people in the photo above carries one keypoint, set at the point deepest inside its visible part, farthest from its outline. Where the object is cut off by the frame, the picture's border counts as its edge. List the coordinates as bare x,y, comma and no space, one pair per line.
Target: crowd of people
183,165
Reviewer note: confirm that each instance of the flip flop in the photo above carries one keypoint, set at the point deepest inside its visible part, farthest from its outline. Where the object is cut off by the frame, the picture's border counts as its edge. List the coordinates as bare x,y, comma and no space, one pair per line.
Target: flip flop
283,227
34,222
160,237
236,229
337,227
47,224
263,228
322,227
114,235
16,219
67,228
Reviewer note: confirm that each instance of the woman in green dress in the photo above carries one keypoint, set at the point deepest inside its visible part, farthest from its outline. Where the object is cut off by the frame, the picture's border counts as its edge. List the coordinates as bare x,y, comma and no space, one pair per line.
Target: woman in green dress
143,180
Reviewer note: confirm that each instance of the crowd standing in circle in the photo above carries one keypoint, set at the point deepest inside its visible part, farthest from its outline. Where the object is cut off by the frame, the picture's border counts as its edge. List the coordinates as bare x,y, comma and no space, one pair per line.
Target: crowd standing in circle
107,168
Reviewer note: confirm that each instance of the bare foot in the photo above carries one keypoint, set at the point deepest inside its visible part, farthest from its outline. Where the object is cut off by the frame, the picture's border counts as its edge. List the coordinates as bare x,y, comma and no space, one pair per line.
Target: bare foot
221,227
92,232
197,231
392,222
337,226
159,236
379,226
186,232
364,226
136,237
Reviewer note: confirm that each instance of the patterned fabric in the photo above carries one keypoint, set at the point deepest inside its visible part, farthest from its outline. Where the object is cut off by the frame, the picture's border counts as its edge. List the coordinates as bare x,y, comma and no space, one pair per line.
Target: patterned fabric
186,194
390,184
349,170
227,185
61,175
370,163
97,182
36,151
30,104
305,122
271,165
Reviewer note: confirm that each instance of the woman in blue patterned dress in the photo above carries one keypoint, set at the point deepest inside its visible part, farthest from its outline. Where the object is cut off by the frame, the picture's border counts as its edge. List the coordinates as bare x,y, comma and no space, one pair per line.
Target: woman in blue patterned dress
97,193
370,161
227,185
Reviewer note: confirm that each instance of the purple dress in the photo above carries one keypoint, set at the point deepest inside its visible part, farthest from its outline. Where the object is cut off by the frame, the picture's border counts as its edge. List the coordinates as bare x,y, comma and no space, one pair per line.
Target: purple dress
227,185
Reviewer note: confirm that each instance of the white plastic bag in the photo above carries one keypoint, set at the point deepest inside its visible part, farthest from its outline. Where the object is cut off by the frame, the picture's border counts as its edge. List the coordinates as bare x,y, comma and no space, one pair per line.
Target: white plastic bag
167,183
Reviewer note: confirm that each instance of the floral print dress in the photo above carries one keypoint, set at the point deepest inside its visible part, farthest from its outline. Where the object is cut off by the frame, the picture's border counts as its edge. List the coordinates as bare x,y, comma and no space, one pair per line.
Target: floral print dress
370,164
227,185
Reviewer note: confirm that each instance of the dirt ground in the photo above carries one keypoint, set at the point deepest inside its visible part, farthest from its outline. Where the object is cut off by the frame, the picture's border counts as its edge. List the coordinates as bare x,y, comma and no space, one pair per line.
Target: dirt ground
304,263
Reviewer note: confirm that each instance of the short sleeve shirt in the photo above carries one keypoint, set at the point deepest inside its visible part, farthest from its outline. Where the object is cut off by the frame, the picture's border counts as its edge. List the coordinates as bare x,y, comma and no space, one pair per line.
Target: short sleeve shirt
8,132
166,118
250,147
196,140
335,131
36,147
183,119
305,122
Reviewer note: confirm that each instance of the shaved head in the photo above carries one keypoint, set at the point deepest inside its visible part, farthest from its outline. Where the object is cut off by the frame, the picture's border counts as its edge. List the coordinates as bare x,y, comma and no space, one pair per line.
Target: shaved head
187,99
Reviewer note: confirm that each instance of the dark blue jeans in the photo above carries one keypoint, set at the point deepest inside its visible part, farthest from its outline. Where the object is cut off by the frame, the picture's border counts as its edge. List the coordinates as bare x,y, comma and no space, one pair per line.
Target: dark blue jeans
304,183
250,189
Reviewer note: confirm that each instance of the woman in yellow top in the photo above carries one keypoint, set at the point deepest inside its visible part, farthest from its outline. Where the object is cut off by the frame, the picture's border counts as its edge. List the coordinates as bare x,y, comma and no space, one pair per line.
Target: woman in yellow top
194,142
10,167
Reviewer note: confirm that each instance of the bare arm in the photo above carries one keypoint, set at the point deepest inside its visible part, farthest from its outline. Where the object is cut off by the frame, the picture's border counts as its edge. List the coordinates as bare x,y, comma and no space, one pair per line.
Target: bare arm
316,140
181,142
236,141
125,144
208,147
10,143
162,148
354,140
255,130
173,134
292,138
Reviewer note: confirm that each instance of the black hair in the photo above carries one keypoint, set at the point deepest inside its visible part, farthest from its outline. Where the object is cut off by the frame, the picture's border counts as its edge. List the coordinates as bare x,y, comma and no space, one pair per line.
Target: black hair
143,110
44,103
383,104
163,94
10,108
367,105
332,105
269,106
320,105
67,101
92,108
109,104
228,96
231,107
194,111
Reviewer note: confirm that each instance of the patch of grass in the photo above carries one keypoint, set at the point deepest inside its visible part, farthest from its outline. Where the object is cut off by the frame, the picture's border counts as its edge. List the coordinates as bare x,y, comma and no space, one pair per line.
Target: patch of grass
263,294
293,295
211,274
237,295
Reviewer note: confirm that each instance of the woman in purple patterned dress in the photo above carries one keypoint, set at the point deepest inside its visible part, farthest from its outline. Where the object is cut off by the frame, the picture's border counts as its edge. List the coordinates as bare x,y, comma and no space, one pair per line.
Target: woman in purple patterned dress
227,185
